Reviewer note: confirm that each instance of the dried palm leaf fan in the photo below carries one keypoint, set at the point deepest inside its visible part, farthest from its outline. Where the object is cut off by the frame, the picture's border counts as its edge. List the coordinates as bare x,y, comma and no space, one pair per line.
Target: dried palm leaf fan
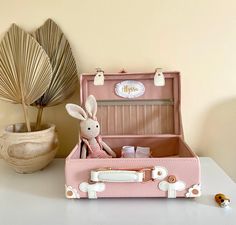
64,78
25,69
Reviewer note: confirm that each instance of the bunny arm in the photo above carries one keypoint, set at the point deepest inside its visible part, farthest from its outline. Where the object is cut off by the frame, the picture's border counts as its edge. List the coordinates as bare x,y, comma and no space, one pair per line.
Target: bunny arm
84,152
108,149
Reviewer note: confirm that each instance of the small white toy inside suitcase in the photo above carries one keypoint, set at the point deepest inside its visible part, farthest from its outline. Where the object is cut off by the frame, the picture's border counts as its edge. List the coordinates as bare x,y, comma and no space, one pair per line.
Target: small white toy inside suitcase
140,120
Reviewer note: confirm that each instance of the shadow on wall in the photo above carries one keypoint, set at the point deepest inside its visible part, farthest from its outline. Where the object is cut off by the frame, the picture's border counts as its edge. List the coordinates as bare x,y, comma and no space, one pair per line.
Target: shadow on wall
218,137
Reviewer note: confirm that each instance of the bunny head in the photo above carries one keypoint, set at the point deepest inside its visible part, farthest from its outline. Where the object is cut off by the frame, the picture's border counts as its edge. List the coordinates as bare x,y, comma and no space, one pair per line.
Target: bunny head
89,126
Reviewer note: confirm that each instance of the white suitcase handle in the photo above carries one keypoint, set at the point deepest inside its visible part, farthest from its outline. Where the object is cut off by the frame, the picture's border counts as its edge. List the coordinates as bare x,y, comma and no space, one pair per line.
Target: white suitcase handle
130,176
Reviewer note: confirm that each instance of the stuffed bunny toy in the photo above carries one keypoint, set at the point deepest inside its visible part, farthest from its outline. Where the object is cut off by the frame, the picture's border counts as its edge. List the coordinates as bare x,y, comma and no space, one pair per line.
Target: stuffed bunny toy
90,130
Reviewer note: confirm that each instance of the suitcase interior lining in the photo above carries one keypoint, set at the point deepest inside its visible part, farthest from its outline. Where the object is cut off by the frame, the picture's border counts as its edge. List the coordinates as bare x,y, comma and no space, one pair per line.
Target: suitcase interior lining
160,146
135,117
172,146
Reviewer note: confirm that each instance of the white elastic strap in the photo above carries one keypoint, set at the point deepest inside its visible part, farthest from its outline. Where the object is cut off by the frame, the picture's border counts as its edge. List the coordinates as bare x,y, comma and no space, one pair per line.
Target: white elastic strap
172,188
171,191
92,189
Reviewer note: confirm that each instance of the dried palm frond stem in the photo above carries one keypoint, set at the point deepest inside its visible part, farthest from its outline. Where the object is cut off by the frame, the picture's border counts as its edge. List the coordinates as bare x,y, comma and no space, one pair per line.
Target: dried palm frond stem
64,78
25,69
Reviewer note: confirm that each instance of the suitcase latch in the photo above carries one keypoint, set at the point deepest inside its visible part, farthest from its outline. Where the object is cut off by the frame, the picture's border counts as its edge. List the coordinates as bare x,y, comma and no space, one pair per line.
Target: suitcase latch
99,77
147,174
159,78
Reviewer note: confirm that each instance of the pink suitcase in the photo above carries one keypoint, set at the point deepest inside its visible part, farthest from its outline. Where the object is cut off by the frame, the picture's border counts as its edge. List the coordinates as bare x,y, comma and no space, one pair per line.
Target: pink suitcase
135,109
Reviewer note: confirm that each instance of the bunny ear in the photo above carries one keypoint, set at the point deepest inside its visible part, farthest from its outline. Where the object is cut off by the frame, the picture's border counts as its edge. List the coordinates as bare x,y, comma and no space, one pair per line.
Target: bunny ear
76,111
91,106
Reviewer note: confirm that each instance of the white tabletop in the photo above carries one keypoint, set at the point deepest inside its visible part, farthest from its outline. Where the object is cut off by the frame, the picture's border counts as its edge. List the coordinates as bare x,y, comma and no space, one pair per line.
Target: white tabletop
38,198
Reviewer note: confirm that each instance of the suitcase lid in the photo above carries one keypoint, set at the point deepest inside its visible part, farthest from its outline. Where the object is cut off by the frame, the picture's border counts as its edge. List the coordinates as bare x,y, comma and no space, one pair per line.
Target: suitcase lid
130,103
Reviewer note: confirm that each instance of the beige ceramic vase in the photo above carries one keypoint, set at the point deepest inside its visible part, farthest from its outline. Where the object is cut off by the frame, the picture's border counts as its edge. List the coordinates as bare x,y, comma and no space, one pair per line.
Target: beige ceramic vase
27,152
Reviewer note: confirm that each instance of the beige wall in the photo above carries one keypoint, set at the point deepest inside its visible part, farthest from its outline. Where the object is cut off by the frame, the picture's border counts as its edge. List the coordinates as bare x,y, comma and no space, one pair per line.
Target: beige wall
196,37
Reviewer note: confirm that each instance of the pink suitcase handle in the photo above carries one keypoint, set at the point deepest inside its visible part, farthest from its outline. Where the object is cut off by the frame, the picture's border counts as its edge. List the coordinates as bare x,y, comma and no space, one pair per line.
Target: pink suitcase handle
128,176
